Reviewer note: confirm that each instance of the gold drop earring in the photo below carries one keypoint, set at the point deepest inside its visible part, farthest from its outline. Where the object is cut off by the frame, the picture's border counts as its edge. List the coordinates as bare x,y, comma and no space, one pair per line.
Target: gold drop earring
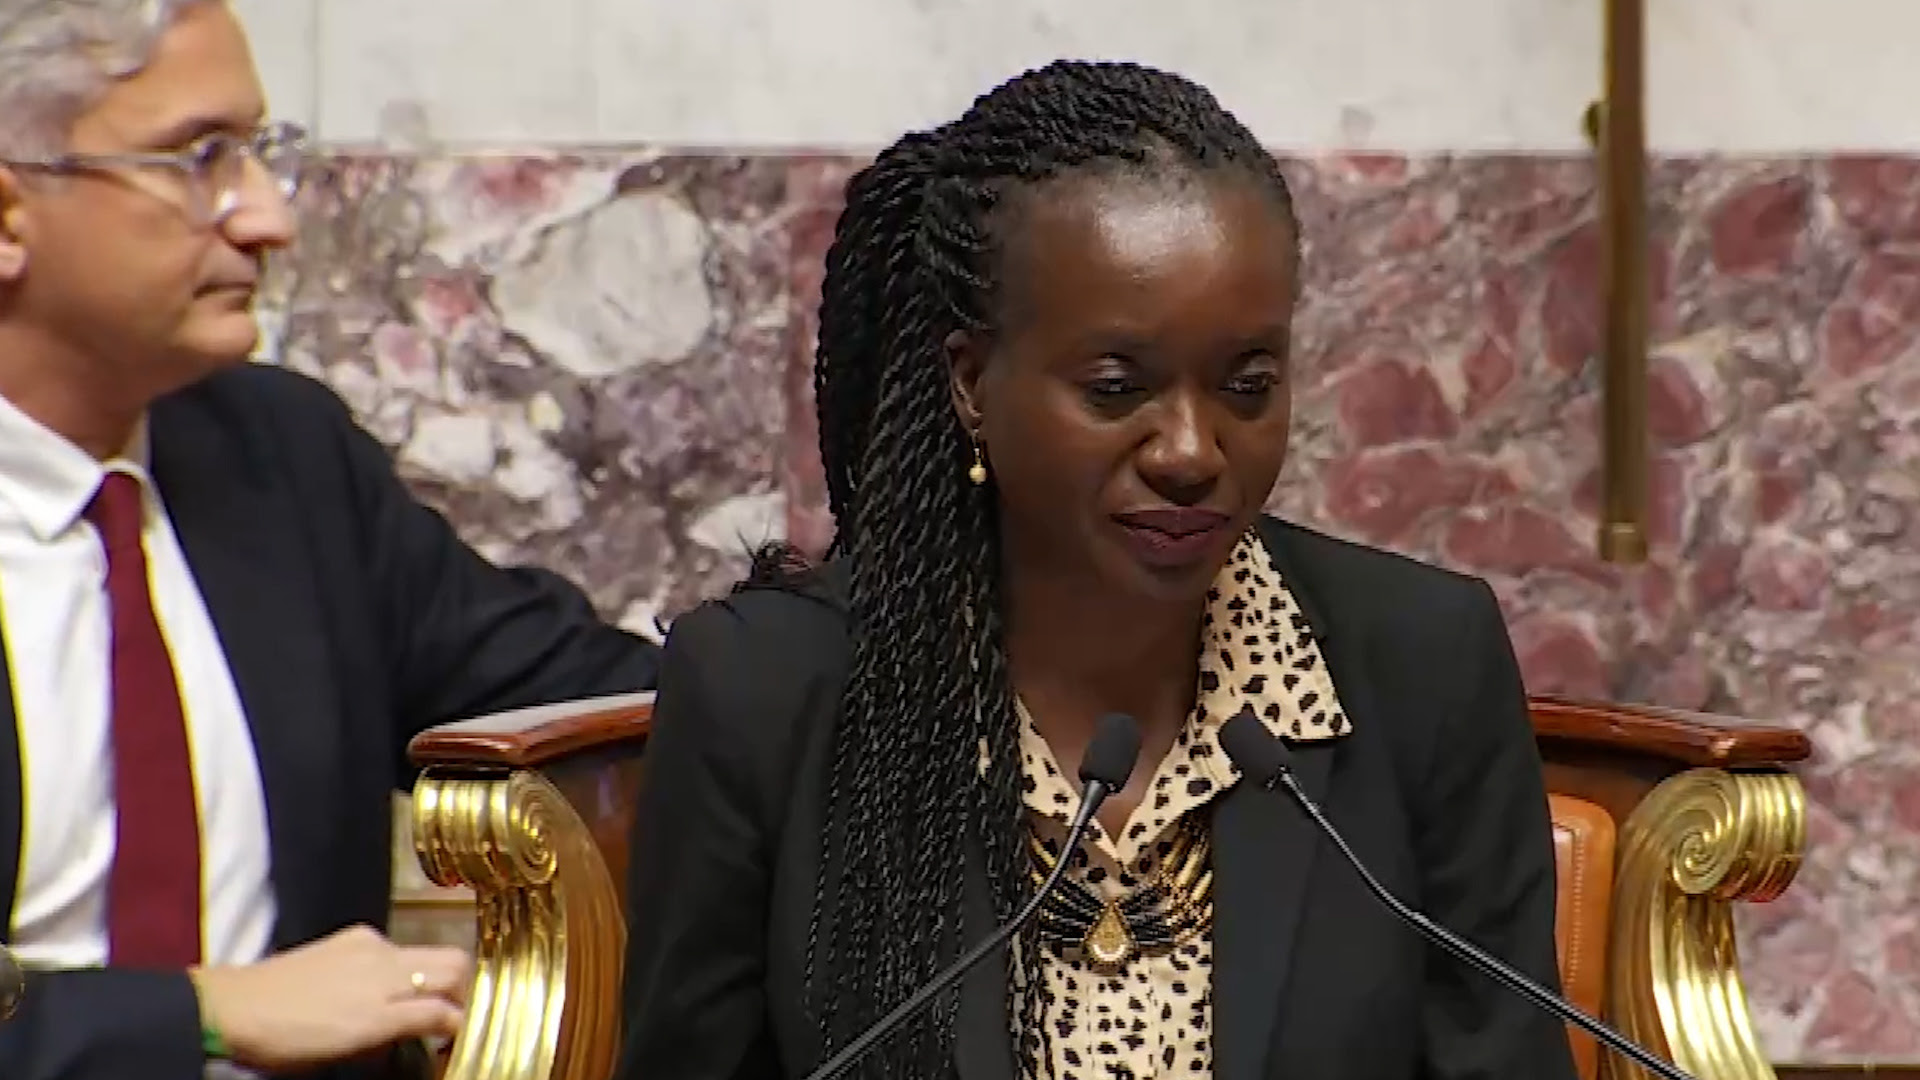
977,472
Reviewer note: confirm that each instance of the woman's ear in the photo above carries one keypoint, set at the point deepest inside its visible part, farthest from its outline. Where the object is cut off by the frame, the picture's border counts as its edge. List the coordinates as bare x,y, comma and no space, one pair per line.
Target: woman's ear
13,223
966,361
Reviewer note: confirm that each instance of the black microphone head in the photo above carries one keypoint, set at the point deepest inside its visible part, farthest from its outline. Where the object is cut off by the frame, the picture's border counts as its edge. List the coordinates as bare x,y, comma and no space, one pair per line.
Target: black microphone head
1259,753
1110,756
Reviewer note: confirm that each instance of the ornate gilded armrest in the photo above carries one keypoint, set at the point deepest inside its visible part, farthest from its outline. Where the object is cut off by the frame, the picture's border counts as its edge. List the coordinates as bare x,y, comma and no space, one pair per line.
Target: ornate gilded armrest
530,810
1708,814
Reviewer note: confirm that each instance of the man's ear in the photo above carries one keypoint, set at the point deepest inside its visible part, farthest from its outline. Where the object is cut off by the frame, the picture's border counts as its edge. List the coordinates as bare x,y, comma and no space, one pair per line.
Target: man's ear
13,227
966,361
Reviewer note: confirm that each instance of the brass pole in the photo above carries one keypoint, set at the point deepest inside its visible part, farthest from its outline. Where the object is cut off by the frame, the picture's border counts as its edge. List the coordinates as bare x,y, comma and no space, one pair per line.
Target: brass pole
1622,147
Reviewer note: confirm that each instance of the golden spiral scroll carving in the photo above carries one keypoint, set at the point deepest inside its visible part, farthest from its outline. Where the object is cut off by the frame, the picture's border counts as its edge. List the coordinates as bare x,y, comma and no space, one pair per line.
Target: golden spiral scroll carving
551,930
1698,843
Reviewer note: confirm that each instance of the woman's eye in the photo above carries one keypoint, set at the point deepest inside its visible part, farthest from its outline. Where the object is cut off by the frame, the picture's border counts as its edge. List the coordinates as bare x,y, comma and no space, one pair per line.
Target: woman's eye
1111,387
1251,382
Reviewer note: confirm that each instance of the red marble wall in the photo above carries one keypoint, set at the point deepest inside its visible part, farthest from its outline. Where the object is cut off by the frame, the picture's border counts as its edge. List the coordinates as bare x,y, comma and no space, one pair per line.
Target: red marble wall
602,363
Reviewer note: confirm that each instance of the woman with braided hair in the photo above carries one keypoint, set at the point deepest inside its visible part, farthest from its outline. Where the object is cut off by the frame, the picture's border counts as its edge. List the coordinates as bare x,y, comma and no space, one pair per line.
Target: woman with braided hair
1053,401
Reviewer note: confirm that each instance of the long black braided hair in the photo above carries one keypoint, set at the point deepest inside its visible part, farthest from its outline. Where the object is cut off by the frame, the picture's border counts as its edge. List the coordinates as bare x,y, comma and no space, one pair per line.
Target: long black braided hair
925,757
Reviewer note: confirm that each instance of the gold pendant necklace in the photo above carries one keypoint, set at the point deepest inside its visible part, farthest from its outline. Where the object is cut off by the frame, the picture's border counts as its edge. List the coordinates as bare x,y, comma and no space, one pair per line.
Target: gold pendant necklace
1173,905
1109,942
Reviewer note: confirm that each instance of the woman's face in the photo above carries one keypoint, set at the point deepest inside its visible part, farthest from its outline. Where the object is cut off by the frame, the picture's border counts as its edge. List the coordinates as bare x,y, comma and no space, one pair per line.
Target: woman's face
1133,402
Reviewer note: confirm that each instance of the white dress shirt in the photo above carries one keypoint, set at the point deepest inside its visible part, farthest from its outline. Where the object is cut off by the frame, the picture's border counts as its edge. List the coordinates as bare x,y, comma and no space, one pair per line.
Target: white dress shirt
55,619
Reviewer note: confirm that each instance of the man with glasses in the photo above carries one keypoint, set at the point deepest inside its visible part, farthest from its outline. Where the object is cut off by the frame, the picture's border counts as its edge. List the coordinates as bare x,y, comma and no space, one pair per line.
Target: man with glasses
222,615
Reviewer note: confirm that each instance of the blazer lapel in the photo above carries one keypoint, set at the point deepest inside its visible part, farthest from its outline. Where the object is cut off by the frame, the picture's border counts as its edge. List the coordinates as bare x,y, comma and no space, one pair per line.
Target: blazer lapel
1264,856
1264,849
248,556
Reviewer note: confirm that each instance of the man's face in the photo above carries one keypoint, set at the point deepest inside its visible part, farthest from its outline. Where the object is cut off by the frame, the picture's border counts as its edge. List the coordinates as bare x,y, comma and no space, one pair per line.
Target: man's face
145,271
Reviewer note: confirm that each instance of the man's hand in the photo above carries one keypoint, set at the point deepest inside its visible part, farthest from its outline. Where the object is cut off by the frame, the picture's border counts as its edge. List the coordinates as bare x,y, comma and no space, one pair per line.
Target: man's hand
341,996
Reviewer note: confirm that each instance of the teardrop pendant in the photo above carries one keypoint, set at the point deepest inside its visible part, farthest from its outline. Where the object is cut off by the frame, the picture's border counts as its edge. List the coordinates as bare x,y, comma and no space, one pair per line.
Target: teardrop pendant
1109,941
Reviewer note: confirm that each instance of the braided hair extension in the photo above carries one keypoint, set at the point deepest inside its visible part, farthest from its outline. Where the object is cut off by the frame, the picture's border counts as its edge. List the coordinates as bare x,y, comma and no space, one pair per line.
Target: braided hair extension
914,257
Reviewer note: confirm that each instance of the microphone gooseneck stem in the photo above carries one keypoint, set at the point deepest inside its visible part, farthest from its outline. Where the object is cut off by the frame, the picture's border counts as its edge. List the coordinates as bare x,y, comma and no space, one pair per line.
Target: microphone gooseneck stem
834,1066
1474,956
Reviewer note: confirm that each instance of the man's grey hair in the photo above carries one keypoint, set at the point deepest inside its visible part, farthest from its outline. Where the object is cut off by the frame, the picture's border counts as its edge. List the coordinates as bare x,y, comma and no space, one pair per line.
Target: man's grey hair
58,56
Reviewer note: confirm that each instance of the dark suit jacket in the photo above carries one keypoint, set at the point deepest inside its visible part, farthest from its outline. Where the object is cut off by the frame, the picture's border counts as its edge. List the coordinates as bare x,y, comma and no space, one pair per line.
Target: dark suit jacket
352,618
1439,789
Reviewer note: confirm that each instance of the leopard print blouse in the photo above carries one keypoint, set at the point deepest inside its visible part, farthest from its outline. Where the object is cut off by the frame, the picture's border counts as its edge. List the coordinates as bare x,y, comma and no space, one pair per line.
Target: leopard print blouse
1151,1018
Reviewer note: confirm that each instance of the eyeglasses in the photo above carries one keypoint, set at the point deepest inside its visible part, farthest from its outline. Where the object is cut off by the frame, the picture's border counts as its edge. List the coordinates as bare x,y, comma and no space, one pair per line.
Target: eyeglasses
213,170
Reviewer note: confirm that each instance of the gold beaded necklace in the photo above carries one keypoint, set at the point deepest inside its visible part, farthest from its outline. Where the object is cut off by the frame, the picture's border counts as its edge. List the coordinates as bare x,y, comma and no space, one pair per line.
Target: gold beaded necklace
1170,908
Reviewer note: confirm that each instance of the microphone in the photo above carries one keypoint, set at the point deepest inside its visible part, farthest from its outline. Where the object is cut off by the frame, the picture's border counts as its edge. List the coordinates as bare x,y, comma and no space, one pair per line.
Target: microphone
13,983
1265,760
1104,769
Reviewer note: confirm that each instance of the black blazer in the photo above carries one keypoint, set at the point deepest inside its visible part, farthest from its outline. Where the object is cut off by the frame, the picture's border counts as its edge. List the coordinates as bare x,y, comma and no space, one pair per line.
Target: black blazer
1439,788
352,618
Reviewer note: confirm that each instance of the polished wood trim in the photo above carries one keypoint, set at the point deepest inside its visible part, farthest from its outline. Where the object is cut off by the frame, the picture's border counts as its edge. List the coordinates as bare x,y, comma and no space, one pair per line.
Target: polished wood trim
1693,740
533,737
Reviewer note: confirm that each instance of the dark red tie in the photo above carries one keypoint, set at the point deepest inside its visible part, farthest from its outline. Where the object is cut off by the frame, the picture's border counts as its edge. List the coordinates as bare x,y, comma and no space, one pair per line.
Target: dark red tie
153,891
